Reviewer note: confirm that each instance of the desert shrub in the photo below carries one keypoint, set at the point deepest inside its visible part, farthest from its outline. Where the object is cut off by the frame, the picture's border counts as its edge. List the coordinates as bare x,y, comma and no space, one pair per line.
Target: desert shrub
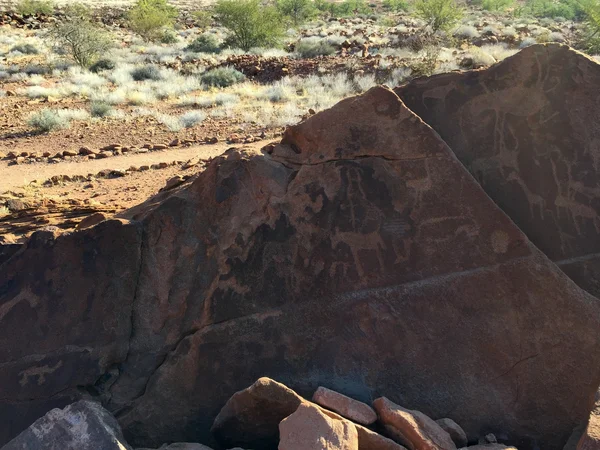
551,8
81,40
191,118
427,63
202,19
102,64
310,48
205,43
249,23
77,11
32,7
395,5
144,73
497,5
47,120
34,69
299,11
439,14
100,109
350,7
591,37
467,31
168,37
222,77
323,6
150,18
26,49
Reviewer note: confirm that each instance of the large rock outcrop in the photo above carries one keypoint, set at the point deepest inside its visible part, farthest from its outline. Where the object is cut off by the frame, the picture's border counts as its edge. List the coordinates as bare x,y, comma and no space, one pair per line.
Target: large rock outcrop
358,254
528,129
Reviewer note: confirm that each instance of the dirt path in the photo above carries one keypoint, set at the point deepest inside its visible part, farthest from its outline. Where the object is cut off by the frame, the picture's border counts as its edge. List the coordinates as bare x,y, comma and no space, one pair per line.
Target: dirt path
15,176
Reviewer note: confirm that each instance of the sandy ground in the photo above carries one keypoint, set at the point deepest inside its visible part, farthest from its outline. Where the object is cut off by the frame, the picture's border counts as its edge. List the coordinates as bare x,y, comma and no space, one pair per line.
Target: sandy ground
20,175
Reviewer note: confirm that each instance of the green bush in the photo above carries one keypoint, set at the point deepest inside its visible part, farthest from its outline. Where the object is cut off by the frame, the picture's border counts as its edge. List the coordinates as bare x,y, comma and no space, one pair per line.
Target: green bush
426,65
439,14
324,6
168,37
75,11
349,8
144,73
395,5
205,43
249,23
81,40
26,49
102,64
100,109
47,120
33,7
150,18
591,38
202,19
299,11
497,5
551,8
309,48
222,77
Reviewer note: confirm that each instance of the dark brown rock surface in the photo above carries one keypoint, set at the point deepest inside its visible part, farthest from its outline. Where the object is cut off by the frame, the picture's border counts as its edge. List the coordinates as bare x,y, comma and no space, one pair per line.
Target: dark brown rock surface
528,130
359,255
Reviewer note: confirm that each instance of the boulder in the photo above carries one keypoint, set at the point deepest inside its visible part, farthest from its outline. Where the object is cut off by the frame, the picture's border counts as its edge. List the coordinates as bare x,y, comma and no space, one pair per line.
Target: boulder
83,425
91,220
360,255
309,428
251,416
354,410
369,440
526,129
591,438
488,447
454,430
587,436
180,446
412,428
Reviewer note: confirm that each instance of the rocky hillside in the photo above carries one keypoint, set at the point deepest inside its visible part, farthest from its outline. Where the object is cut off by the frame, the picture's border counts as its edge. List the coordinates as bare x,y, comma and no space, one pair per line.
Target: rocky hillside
357,254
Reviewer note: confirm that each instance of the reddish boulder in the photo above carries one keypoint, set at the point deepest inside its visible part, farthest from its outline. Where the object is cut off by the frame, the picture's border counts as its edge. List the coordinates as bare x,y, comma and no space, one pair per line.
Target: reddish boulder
251,416
354,410
527,130
412,428
590,440
369,440
309,428
454,430
91,220
488,447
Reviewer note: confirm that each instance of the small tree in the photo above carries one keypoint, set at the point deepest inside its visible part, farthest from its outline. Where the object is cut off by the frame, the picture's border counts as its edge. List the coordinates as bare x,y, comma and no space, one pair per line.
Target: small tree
591,12
250,24
439,14
150,18
79,38
299,11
